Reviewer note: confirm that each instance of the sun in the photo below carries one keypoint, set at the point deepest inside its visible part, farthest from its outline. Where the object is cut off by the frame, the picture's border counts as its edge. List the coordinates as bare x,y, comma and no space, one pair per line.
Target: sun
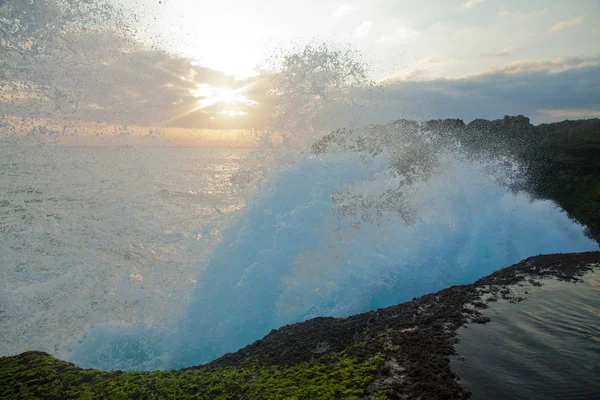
212,95
224,95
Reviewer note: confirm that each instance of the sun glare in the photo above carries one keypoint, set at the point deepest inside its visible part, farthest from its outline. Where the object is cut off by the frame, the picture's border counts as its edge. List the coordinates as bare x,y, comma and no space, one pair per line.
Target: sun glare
232,113
212,95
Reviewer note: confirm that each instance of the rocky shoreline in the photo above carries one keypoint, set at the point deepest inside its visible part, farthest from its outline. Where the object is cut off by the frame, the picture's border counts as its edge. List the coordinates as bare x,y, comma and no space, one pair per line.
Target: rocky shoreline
399,352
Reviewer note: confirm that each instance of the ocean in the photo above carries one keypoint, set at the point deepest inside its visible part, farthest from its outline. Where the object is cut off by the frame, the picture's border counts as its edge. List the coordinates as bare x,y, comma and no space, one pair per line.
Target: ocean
92,234
155,258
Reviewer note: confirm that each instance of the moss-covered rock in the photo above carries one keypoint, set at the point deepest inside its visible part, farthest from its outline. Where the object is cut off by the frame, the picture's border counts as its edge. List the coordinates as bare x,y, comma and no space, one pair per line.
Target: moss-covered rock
35,375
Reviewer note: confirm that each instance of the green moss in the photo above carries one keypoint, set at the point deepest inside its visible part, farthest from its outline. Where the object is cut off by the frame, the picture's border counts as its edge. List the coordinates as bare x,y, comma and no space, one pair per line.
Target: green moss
37,375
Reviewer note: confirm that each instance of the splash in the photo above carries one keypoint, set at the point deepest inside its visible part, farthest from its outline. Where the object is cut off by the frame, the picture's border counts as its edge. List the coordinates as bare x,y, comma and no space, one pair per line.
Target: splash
377,216
385,214
292,255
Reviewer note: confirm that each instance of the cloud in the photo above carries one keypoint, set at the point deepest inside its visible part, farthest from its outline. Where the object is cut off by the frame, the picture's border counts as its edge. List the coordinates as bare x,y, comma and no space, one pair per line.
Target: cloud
565,24
545,90
401,33
556,65
343,10
363,29
471,3
110,78
80,64
519,15
427,68
101,76
506,53
535,92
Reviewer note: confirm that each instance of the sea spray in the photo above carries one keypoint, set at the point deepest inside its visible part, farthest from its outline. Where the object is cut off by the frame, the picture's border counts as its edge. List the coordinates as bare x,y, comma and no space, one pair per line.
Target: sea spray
386,215
290,255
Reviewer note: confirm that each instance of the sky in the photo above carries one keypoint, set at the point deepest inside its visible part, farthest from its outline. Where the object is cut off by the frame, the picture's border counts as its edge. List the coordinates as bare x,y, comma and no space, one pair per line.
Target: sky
200,72
418,39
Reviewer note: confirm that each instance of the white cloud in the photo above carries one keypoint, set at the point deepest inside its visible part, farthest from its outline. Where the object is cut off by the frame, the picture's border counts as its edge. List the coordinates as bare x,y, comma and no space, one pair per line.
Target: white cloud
519,15
564,24
343,10
553,66
425,69
506,53
363,29
404,33
471,3
400,34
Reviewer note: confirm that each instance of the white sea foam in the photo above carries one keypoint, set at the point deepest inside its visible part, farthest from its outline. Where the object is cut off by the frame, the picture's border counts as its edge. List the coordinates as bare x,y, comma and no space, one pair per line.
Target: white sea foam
290,255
